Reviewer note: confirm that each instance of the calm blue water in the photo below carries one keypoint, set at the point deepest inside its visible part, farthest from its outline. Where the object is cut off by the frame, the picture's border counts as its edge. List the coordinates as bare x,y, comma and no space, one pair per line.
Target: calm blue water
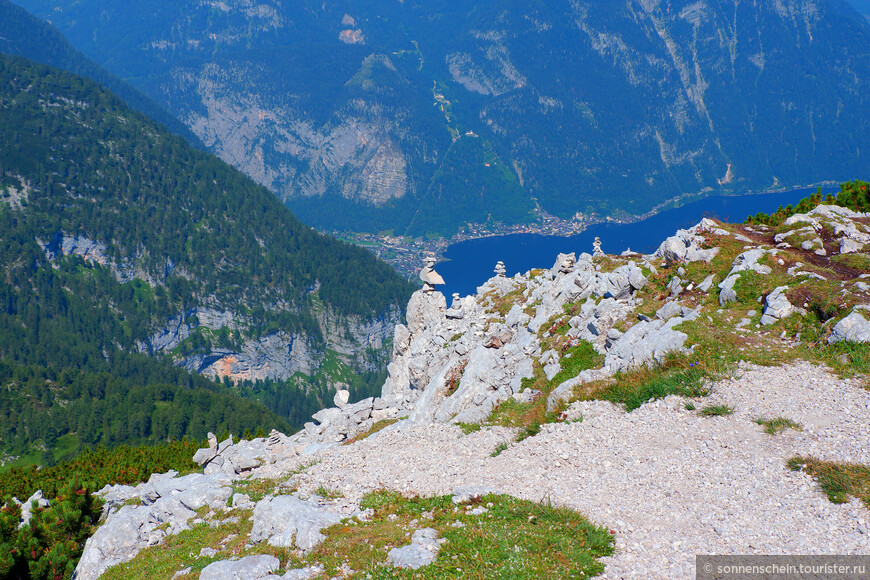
470,263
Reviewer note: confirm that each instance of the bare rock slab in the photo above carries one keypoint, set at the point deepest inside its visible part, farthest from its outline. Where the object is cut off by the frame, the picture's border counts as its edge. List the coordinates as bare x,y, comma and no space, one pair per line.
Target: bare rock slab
286,520
423,550
247,568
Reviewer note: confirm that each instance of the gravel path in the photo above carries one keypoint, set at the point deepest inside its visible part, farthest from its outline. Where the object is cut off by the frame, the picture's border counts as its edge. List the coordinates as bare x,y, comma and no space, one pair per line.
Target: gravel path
669,482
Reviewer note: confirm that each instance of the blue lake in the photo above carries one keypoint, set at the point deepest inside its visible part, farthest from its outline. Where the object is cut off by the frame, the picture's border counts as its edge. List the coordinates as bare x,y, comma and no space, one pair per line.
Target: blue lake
470,263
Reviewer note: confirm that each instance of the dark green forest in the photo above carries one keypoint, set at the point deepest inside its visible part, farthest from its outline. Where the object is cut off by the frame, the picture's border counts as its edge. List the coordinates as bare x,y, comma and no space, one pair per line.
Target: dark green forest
22,34
178,229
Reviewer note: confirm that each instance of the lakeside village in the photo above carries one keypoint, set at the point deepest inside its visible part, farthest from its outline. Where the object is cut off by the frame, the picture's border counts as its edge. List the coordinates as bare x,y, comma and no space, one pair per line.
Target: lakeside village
405,253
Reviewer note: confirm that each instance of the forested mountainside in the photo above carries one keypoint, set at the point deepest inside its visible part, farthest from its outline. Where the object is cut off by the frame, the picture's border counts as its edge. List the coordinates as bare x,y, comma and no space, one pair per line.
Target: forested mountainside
420,116
119,240
23,34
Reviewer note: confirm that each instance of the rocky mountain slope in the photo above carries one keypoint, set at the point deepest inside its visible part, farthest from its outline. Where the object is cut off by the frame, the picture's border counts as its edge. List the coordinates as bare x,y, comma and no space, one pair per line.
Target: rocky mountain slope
120,240
422,116
635,389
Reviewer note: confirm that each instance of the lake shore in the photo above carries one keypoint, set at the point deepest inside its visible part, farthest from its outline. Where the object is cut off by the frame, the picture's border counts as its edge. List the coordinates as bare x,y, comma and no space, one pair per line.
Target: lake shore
405,254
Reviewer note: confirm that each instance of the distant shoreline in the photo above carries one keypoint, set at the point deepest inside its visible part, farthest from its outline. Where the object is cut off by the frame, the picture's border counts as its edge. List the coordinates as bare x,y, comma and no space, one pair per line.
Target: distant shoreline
405,254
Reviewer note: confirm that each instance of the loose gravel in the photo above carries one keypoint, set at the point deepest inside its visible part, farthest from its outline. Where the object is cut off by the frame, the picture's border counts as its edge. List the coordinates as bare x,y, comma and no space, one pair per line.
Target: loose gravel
669,482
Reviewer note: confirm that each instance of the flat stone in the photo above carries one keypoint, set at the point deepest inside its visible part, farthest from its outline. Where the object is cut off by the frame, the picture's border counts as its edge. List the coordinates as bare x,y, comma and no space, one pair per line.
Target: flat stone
247,568
422,551
286,520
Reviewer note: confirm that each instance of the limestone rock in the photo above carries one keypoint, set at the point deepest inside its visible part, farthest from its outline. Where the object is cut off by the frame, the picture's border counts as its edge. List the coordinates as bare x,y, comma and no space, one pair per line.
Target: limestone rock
247,568
423,550
342,396
27,507
853,328
286,520
849,246
668,311
777,306
706,284
425,310
204,455
684,246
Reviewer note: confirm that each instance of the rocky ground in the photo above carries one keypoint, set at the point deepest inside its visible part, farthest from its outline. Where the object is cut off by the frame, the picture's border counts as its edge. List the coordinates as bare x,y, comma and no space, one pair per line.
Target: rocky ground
668,479
670,482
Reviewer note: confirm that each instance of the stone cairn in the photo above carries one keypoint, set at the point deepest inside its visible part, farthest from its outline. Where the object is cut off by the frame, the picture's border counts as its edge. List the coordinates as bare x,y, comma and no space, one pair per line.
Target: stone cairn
500,270
429,276
596,248
566,266
456,311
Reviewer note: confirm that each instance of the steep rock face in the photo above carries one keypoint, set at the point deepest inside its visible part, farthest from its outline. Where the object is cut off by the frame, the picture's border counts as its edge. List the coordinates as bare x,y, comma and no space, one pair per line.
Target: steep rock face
359,154
388,116
279,355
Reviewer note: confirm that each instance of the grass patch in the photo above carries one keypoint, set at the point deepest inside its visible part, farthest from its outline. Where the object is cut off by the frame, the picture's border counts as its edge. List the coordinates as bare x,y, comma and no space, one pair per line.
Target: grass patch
499,448
676,376
576,359
750,285
382,424
328,493
821,297
182,551
778,425
256,489
838,480
856,261
716,411
502,304
513,539
468,428
847,358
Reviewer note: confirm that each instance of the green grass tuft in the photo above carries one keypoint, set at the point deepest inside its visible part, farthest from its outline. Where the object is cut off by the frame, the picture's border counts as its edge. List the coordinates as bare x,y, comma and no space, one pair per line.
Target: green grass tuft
499,448
639,386
837,480
468,428
778,425
512,539
716,411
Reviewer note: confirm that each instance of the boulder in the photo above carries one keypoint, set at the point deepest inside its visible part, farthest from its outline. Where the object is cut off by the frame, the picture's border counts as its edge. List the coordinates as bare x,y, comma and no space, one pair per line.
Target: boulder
425,310
342,396
777,306
706,284
204,455
849,246
646,342
247,568
684,246
127,531
27,507
668,310
853,328
286,520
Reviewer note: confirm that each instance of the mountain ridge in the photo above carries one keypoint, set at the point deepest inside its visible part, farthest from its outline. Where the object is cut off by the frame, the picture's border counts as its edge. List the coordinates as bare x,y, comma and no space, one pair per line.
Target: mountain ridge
434,115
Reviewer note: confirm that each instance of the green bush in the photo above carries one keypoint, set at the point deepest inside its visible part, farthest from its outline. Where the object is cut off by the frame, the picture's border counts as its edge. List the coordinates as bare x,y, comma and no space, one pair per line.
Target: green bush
50,545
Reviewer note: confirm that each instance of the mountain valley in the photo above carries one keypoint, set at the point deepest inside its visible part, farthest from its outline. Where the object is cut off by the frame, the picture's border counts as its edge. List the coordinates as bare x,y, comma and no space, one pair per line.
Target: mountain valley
423,117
